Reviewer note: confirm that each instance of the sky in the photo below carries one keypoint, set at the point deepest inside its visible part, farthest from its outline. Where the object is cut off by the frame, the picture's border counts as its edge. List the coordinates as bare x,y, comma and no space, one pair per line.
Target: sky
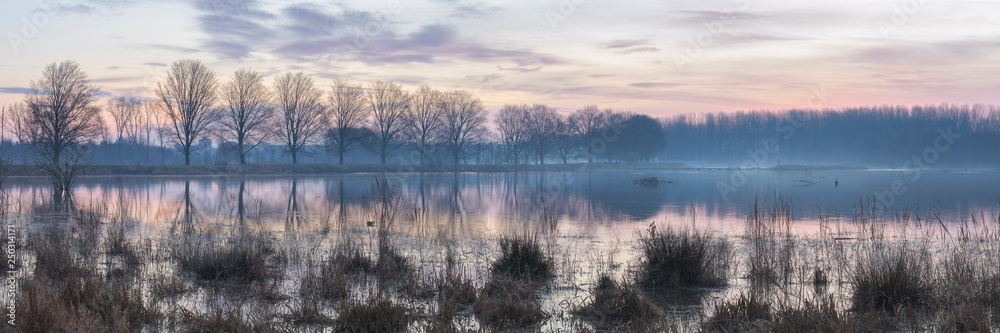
655,57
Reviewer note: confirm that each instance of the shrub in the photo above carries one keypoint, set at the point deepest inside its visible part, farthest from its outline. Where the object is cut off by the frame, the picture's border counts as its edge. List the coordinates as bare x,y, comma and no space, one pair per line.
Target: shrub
521,256
682,259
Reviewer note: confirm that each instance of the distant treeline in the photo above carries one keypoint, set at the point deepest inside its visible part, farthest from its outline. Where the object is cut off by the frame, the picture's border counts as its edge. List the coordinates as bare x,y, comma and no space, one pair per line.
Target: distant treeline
197,119
876,136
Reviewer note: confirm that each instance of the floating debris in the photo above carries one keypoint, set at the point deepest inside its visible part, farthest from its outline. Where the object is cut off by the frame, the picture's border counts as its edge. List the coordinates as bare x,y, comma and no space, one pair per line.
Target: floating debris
651,181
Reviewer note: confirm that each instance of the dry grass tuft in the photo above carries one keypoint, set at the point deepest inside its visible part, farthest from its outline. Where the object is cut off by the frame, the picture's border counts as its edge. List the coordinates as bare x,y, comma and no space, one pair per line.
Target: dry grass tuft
508,303
673,259
375,314
886,281
241,257
615,302
522,256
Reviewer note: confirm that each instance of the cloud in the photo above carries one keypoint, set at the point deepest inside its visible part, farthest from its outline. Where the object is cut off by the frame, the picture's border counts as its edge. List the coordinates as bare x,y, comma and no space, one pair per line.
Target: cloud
310,20
468,8
630,46
625,43
641,50
227,49
433,35
233,26
653,85
15,90
116,79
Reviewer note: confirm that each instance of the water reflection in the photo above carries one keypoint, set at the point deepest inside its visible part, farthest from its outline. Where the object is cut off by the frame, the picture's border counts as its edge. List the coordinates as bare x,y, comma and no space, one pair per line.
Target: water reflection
477,203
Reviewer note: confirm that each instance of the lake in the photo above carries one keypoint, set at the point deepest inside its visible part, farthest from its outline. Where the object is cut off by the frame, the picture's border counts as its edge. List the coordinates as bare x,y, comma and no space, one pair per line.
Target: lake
591,203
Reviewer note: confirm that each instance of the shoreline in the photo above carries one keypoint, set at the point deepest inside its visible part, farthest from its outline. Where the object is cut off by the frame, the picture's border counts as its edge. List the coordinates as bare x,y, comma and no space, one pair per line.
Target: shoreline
23,170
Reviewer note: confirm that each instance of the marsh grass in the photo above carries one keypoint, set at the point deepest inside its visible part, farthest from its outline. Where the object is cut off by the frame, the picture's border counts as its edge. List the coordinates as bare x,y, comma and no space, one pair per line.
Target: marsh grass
672,259
348,258
771,244
66,294
889,278
522,256
508,303
241,257
376,313
611,303
324,282
879,278
744,313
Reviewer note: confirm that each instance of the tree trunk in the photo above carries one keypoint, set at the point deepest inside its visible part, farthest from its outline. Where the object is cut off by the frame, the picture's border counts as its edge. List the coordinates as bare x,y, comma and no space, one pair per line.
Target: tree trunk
243,155
341,155
295,156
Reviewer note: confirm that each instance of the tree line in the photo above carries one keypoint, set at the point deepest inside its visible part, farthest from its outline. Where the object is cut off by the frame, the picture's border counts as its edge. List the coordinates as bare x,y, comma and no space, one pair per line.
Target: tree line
61,117
872,136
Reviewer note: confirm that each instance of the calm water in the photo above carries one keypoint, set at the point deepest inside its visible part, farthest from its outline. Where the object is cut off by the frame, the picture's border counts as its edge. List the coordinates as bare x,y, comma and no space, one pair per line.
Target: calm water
586,203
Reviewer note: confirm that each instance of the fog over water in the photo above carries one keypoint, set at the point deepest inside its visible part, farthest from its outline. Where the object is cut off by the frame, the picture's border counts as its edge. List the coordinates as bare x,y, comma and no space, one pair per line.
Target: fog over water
599,204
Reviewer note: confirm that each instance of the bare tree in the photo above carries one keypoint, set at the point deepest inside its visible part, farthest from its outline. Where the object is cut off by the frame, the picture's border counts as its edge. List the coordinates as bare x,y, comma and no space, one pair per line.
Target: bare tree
588,123
246,111
125,111
388,103
424,120
566,140
348,111
61,116
464,121
542,124
512,126
301,111
187,97
14,120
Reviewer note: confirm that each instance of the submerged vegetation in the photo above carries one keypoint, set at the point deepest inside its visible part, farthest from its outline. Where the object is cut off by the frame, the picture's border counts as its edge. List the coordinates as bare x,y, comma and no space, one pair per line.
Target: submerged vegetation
85,269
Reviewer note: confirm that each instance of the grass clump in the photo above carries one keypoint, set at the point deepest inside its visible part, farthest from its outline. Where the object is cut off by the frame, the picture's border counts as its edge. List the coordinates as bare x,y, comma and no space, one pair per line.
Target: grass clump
349,259
673,259
376,314
66,294
229,318
744,313
885,282
307,311
616,302
508,303
241,258
771,244
522,256
392,264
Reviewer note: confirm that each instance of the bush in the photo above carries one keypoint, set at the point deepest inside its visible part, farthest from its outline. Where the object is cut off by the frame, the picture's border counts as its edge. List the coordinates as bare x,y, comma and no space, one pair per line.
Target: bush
521,256
682,259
